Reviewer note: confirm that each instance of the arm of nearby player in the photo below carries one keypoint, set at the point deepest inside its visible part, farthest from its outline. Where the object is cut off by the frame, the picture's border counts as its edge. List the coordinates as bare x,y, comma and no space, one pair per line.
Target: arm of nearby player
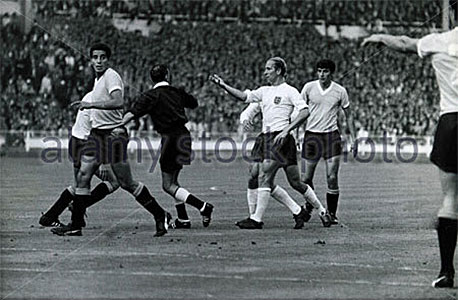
398,43
247,115
116,102
351,127
300,119
142,105
238,94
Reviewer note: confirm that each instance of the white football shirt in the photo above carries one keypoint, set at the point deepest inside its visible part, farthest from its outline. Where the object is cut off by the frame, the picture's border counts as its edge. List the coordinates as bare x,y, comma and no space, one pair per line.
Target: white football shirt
82,127
277,105
324,105
443,49
107,83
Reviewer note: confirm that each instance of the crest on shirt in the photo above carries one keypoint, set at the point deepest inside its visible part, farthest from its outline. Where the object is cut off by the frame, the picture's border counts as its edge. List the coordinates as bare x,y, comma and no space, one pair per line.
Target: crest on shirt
277,100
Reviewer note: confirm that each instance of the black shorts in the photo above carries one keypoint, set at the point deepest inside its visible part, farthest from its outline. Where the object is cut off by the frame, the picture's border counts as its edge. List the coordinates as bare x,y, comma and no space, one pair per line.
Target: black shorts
444,153
321,145
111,144
264,148
175,151
78,147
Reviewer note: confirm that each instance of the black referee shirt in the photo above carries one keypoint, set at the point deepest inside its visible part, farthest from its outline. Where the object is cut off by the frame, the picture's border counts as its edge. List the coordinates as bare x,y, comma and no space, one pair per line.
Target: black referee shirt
165,104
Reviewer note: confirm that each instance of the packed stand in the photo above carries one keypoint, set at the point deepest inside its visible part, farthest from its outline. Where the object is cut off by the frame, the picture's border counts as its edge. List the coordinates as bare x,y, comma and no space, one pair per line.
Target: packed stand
360,12
43,72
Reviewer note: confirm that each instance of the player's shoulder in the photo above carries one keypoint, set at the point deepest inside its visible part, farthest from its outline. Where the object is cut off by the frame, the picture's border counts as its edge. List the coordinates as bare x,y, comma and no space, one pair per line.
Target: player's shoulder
339,87
112,73
289,87
310,85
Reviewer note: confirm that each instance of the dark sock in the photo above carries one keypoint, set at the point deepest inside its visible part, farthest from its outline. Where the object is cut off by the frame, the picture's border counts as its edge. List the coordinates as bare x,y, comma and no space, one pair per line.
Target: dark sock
60,205
97,194
332,200
79,209
447,234
150,204
181,211
194,201
253,183
310,183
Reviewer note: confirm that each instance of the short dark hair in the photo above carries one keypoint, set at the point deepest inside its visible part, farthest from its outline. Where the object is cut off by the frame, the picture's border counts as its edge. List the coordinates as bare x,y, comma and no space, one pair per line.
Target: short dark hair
100,46
279,64
326,64
159,72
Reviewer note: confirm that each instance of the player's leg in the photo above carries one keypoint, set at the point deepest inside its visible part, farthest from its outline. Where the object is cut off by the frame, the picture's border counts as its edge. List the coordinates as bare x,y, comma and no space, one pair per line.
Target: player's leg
447,228
332,194
267,171
117,141
292,174
312,151
142,196
82,195
331,153
176,152
309,172
170,186
104,188
51,217
444,156
300,215
252,190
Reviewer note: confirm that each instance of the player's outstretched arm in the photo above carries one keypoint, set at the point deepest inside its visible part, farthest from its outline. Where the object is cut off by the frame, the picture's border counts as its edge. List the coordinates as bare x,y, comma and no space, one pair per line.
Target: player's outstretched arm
398,43
238,94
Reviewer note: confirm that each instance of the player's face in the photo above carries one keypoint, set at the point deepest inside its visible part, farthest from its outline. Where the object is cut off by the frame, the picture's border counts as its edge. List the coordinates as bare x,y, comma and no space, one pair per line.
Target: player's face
324,75
99,61
270,73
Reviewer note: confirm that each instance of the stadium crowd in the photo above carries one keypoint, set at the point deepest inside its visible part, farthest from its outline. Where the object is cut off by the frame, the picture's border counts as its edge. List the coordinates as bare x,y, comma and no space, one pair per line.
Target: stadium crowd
45,70
334,11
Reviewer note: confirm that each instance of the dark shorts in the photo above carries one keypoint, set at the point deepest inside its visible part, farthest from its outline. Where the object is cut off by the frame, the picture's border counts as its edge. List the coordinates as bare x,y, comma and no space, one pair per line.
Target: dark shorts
78,147
321,145
444,153
111,144
175,151
264,148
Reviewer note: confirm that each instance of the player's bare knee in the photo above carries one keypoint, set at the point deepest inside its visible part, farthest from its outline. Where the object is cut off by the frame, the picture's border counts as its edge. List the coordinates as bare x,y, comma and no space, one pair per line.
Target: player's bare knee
168,188
332,181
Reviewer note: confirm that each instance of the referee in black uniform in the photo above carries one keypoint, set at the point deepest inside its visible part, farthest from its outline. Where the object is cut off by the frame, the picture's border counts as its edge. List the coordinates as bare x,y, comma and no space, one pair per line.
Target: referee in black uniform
166,106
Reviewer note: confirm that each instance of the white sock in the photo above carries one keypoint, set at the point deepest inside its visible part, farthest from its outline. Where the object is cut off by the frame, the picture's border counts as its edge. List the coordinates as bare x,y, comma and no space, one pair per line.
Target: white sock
252,198
284,198
311,198
263,201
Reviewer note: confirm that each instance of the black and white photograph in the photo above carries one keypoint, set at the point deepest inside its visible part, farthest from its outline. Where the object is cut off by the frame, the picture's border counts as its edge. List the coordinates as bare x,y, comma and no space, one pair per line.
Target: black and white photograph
228,149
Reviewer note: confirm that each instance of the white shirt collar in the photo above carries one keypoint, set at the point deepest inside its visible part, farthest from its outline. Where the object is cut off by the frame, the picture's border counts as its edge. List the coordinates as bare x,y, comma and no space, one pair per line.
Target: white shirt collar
162,83
323,92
